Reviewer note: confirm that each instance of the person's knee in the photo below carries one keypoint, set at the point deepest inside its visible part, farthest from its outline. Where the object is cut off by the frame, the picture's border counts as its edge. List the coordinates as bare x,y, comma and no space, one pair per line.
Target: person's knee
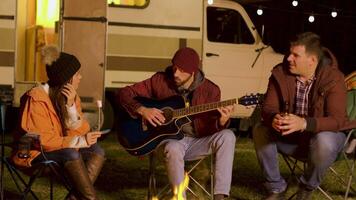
173,150
325,146
228,135
71,154
260,134
224,139
99,151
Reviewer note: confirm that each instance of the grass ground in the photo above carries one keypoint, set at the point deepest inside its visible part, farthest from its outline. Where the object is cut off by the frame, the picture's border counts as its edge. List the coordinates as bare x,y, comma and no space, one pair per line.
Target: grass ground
124,177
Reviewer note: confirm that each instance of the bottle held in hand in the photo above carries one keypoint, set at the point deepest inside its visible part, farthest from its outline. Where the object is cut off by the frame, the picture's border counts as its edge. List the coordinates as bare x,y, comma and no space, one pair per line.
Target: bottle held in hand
285,111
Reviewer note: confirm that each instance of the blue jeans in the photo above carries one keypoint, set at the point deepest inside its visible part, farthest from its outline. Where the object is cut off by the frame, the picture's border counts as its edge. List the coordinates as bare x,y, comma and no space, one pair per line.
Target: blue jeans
320,150
61,156
222,144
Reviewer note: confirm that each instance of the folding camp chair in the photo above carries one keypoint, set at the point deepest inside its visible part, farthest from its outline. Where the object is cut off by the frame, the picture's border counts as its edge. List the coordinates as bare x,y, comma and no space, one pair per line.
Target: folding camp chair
293,165
350,150
348,154
48,168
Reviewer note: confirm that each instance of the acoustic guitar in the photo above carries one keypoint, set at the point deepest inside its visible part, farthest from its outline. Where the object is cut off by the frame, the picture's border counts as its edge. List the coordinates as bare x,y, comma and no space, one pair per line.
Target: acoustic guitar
140,138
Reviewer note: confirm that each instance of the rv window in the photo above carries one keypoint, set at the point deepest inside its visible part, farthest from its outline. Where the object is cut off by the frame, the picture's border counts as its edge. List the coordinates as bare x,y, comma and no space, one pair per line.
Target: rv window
128,3
227,26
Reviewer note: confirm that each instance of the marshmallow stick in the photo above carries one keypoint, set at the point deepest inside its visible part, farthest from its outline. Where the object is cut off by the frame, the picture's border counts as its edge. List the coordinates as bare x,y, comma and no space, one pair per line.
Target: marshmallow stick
99,105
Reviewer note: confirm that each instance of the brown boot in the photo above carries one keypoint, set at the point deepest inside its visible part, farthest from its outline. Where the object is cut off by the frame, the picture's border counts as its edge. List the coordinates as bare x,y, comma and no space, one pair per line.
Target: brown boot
78,175
94,164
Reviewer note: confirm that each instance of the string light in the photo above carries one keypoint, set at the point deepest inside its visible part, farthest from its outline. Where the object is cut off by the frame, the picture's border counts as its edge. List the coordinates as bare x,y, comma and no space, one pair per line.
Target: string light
333,13
311,18
295,3
323,11
210,2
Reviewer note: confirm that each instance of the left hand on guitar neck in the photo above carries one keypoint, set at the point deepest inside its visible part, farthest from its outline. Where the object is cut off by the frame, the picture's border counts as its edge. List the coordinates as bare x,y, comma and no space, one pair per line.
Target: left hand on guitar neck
225,113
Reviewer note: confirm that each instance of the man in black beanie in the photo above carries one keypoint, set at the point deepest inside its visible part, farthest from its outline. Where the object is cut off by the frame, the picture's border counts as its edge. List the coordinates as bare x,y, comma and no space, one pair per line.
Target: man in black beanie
53,111
207,133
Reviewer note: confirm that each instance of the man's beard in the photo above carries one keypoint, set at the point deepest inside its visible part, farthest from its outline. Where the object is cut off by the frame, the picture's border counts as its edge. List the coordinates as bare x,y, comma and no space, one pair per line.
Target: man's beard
180,84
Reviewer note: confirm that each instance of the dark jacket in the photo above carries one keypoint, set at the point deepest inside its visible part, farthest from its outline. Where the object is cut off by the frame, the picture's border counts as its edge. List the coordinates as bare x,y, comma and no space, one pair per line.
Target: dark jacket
161,86
327,98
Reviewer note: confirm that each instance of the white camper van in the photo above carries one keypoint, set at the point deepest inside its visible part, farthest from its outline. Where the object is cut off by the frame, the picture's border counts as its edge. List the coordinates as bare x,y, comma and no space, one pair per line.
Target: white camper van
142,41
139,39
7,41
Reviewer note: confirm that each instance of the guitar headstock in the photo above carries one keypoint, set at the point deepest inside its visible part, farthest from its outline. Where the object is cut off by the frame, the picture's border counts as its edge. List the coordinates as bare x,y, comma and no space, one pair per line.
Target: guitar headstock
251,99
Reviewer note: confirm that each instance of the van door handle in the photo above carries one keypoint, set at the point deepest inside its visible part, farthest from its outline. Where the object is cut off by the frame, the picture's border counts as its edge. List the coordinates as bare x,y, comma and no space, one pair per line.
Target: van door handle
211,54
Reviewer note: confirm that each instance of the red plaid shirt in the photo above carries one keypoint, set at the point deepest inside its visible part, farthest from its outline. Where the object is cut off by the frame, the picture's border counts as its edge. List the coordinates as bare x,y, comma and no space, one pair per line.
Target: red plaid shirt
301,98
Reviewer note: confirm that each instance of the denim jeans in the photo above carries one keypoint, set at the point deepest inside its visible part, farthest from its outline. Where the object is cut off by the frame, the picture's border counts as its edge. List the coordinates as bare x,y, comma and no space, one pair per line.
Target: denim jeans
61,156
319,150
222,144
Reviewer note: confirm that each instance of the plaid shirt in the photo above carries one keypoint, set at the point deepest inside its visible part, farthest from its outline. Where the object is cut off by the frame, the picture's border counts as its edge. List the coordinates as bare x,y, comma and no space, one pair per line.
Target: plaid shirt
301,99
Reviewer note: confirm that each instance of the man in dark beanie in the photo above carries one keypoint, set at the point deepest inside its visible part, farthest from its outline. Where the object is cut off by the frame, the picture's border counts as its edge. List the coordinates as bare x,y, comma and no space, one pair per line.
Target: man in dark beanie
53,111
206,133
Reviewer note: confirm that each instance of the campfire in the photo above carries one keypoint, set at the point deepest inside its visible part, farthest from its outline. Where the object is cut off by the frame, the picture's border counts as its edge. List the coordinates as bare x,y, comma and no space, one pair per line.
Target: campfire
179,190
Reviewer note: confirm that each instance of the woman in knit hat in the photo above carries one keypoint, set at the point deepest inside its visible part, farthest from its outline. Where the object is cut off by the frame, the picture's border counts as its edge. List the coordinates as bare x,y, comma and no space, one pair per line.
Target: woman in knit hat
53,111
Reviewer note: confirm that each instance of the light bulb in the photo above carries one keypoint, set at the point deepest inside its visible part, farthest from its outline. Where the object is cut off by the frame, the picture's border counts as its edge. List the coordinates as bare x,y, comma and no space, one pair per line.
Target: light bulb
333,13
259,11
295,3
210,2
311,18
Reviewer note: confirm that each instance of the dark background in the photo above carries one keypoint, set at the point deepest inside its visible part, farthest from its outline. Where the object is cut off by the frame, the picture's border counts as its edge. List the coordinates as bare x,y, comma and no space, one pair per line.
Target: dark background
282,21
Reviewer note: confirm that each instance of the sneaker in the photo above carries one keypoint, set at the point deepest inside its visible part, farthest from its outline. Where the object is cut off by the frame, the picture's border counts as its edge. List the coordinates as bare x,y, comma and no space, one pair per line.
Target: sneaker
304,194
276,196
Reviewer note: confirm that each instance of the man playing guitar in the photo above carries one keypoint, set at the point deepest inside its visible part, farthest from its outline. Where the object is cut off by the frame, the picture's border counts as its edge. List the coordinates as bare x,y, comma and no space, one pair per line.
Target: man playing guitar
205,134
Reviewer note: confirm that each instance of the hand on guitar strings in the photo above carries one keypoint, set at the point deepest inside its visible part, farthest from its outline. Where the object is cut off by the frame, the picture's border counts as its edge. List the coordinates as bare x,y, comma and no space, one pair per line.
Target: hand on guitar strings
153,115
225,113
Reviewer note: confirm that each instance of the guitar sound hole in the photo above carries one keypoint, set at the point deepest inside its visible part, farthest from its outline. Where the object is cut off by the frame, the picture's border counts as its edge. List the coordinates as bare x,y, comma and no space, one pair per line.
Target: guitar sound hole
168,114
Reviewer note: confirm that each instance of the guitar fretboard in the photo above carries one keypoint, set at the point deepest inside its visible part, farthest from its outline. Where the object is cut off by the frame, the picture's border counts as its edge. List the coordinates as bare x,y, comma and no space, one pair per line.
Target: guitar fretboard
201,108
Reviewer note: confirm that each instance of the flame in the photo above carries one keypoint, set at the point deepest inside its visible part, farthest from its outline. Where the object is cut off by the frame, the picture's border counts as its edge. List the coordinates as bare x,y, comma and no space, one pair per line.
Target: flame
179,190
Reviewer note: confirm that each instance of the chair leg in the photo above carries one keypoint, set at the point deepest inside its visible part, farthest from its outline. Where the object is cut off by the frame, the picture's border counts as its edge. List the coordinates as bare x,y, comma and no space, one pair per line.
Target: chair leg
152,191
16,176
52,166
51,187
13,172
349,182
212,175
209,193
31,181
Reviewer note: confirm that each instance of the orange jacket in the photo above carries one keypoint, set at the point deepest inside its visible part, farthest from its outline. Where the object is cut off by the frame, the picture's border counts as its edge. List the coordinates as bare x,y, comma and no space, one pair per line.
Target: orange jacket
39,116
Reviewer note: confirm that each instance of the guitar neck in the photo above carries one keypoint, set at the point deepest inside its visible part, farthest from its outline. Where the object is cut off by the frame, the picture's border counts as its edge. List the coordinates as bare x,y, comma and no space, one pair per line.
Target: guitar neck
201,108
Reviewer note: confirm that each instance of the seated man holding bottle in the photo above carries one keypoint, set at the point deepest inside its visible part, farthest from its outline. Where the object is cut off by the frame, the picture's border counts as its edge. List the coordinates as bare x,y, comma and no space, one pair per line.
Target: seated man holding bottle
303,115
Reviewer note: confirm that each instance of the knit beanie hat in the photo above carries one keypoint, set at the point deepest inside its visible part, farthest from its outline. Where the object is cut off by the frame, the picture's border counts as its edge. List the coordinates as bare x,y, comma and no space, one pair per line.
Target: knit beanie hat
60,66
186,59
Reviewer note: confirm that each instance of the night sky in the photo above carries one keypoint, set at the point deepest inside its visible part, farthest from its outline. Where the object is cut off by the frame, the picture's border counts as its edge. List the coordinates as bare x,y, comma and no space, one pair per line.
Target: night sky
282,21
